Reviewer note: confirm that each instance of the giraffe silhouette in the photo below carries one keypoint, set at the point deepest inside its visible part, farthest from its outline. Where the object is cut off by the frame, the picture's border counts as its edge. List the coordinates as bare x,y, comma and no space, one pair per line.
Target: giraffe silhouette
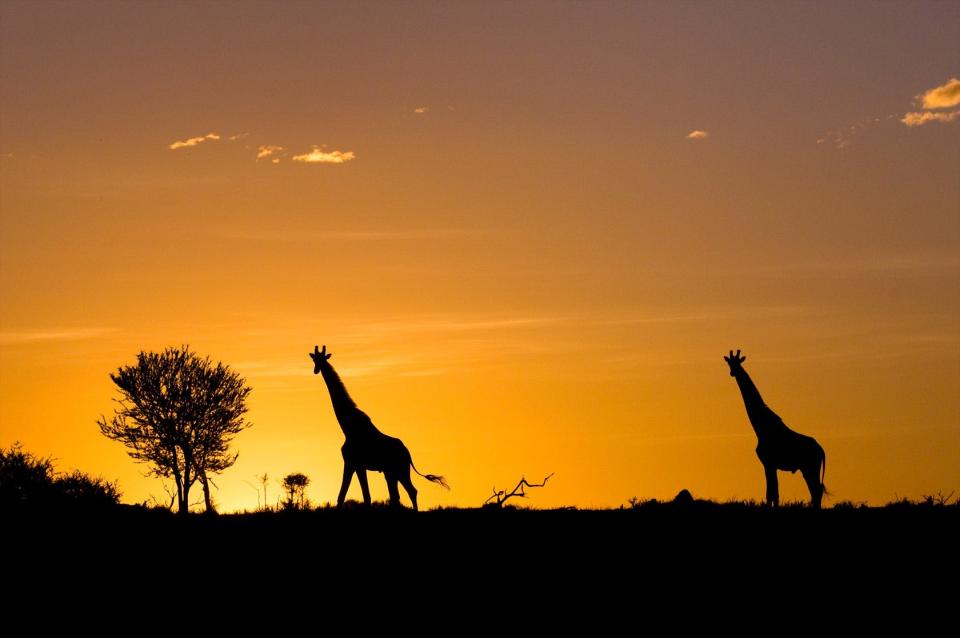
366,447
779,447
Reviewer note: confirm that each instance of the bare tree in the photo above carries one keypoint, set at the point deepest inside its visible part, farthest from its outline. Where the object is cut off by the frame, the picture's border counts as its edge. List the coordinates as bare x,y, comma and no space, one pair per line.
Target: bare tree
499,497
179,413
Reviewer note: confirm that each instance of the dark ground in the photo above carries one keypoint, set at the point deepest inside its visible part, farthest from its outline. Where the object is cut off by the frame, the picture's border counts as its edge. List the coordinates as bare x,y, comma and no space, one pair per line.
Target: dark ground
655,558
654,534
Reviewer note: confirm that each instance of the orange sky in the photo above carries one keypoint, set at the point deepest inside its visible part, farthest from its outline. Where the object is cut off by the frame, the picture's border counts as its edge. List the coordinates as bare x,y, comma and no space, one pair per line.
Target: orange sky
521,253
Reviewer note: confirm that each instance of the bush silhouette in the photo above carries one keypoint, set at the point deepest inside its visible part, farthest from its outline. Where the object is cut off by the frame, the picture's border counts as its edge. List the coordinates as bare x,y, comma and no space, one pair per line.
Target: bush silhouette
28,480
295,485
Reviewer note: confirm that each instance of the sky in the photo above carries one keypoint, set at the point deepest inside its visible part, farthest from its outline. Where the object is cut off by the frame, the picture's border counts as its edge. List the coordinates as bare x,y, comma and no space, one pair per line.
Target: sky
528,233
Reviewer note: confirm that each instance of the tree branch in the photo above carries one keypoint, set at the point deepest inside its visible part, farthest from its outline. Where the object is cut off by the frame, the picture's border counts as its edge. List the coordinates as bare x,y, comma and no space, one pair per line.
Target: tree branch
500,497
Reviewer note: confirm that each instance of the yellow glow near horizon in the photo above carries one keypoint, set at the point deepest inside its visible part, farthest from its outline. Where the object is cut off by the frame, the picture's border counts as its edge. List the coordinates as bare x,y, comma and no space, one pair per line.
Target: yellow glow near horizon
537,273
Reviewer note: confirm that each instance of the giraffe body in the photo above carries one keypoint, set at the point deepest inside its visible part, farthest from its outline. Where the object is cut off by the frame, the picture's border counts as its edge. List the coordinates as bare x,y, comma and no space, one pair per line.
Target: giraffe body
366,447
779,447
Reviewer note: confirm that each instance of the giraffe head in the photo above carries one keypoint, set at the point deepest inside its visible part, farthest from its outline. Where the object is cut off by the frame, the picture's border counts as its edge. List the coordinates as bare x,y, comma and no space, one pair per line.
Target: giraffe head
735,361
319,357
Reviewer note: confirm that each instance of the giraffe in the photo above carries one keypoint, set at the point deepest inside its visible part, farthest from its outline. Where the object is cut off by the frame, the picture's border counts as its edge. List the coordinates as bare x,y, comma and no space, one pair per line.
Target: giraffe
779,447
366,447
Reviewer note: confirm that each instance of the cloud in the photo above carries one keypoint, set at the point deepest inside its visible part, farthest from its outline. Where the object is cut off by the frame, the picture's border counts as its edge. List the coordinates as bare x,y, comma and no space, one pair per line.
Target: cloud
269,368
267,150
939,97
837,138
371,364
193,141
843,137
403,326
942,97
697,135
66,334
294,236
273,152
907,262
317,156
420,110
920,118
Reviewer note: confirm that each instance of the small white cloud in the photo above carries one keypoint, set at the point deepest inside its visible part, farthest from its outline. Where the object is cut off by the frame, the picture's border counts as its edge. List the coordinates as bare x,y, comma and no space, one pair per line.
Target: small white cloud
238,136
267,150
920,118
942,97
420,110
697,135
275,160
193,141
318,156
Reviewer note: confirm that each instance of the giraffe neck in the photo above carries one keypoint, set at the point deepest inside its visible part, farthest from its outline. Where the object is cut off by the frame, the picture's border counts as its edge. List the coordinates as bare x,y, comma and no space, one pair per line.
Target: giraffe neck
757,410
343,405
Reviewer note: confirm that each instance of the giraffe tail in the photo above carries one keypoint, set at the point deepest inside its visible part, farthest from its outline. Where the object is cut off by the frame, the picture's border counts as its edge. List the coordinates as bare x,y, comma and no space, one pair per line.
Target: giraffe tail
823,472
433,478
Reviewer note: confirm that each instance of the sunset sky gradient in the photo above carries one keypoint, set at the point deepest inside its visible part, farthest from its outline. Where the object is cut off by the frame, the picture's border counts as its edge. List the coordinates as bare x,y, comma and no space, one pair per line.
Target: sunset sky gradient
527,232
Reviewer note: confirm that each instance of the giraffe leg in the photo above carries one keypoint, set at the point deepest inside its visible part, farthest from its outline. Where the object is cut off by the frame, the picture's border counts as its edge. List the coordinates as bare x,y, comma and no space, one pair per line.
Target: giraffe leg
362,478
773,489
345,485
811,475
393,490
411,490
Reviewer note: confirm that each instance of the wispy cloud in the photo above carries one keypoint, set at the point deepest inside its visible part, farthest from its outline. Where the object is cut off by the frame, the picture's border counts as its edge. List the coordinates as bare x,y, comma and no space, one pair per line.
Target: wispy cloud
407,325
356,366
943,96
843,137
919,264
892,263
274,152
697,135
420,110
193,141
65,334
707,315
269,368
318,156
919,118
267,150
353,235
940,97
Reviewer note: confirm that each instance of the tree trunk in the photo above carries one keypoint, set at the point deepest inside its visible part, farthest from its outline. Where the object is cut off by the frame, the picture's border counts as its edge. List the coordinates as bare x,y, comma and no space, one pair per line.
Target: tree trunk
184,504
206,494
187,482
181,497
